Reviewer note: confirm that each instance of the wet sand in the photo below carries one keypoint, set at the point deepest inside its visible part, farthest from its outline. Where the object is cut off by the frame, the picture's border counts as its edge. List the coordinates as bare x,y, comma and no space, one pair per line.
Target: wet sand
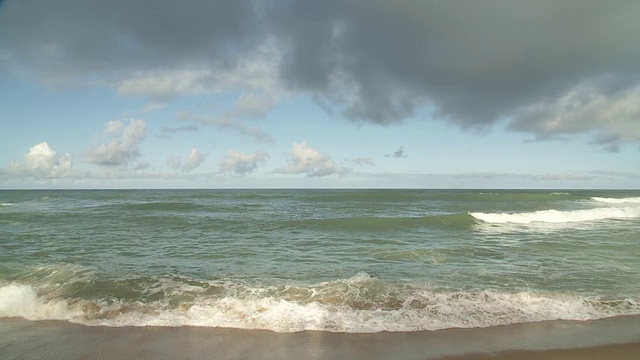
606,352
616,338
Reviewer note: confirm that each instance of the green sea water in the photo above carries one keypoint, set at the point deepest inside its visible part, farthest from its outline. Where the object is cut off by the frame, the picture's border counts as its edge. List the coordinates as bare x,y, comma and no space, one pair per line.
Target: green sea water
336,260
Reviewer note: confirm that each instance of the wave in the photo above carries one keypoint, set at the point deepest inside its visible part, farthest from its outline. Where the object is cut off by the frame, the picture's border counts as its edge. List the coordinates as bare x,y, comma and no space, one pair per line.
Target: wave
629,200
506,196
18,300
162,206
557,216
379,223
360,304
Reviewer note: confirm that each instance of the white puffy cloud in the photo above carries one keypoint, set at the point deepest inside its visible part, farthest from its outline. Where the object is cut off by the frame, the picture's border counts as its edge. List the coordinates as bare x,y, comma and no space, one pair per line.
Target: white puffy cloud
309,161
242,164
124,145
113,127
192,161
42,161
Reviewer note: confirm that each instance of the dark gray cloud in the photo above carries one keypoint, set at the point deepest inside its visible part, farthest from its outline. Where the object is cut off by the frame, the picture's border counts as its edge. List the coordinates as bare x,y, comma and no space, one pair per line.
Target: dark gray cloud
549,68
398,153
74,37
476,62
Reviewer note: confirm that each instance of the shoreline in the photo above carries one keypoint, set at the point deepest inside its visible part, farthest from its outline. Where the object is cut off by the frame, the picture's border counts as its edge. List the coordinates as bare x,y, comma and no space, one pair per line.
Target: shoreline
611,338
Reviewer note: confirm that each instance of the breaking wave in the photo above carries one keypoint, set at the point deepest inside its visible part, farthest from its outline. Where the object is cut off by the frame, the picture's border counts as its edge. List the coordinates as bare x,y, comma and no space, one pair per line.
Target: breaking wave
630,200
359,304
557,216
606,208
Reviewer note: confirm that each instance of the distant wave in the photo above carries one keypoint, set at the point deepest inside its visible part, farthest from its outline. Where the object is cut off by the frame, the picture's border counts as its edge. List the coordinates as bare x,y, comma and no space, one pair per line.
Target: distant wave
506,196
162,206
359,304
557,216
630,200
375,223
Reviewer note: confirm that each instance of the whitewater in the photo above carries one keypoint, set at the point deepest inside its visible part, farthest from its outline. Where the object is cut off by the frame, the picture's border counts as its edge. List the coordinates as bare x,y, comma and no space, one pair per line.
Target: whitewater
351,261
627,208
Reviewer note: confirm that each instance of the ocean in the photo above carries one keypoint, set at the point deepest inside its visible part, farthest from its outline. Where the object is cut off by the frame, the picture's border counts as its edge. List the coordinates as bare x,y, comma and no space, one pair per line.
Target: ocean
339,261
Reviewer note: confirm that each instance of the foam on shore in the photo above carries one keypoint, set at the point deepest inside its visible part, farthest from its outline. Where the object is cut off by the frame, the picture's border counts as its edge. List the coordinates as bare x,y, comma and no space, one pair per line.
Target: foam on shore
361,304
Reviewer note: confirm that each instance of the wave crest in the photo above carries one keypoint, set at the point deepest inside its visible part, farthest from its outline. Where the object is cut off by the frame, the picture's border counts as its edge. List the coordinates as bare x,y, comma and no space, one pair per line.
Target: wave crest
359,304
23,301
629,200
557,216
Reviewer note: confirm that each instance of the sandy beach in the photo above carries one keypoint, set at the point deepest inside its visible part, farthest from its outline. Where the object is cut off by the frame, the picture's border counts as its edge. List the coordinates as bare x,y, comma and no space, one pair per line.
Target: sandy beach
606,352
616,338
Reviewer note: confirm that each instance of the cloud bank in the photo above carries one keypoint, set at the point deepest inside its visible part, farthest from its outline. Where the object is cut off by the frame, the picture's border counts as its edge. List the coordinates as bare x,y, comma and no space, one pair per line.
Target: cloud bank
547,68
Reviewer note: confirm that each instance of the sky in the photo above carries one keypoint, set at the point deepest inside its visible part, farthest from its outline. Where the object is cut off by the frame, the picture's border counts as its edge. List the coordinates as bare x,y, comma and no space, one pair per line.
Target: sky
319,94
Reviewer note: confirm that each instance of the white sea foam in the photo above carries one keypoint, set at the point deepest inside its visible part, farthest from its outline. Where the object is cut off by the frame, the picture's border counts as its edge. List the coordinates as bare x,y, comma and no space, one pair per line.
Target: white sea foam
425,311
22,301
629,200
557,216
422,309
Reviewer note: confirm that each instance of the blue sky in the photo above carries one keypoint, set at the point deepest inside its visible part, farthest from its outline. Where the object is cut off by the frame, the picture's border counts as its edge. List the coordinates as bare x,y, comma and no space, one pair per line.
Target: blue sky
319,94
